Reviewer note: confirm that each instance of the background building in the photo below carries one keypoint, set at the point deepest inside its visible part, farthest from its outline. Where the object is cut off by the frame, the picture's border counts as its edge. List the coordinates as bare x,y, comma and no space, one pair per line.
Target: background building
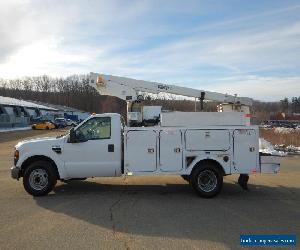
20,113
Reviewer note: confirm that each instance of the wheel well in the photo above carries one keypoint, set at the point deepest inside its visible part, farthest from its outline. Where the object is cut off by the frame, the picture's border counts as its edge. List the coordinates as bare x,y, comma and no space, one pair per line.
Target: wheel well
209,161
35,158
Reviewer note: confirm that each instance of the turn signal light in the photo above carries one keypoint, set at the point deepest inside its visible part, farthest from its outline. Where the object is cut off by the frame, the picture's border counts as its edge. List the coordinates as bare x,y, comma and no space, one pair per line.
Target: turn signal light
16,156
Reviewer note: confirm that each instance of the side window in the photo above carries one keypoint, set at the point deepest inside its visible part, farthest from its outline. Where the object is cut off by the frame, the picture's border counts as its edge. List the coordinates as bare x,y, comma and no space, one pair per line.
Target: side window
94,129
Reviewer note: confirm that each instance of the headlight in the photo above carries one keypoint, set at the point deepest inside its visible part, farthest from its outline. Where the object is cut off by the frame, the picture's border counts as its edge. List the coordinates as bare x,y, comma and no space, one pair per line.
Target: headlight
16,156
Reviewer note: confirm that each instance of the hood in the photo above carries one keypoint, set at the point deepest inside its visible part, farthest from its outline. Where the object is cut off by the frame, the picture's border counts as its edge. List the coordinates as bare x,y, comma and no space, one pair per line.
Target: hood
53,141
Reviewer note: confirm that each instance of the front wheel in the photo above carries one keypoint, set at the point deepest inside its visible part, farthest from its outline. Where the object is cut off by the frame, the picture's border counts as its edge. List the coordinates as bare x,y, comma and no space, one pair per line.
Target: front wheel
39,178
207,180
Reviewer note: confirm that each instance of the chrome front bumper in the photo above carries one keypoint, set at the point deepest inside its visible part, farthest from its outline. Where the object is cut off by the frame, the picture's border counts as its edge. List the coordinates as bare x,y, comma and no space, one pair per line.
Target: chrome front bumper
15,172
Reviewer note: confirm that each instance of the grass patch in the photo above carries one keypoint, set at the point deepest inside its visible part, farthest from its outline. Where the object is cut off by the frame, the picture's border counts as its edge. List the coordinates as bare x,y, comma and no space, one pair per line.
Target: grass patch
281,136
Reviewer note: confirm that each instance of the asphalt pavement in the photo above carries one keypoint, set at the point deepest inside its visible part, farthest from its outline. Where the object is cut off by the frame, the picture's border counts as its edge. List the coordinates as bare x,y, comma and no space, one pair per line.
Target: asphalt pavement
144,212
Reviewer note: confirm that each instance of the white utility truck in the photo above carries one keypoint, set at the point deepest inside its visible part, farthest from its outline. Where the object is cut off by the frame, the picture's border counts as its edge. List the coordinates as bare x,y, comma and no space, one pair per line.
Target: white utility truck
202,147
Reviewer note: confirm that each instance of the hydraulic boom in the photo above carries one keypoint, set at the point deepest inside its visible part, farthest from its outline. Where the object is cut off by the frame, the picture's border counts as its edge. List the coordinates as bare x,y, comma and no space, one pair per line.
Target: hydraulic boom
130,89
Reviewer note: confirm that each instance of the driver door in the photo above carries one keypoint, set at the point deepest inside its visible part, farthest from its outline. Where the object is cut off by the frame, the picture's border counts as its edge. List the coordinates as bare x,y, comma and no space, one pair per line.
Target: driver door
93,152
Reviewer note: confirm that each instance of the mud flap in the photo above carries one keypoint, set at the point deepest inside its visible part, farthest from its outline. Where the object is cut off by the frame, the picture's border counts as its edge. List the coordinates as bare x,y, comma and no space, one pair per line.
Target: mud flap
243,181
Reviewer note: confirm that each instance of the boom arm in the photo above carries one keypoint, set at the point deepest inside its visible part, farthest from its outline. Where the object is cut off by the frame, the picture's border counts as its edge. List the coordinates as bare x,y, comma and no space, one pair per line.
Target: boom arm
129,89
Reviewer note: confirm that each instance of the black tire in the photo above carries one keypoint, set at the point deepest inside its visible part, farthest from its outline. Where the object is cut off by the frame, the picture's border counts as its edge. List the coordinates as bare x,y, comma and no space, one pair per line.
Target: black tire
186,177
33,127
207,179
47,128
32,178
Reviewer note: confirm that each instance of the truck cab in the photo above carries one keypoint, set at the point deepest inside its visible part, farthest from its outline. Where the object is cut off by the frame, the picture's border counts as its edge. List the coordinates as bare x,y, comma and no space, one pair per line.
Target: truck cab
93,148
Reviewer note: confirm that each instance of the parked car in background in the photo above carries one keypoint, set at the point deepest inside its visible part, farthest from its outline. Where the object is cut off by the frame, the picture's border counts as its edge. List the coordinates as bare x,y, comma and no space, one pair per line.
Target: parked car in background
43,125
60,122
265,126
71,122
287,125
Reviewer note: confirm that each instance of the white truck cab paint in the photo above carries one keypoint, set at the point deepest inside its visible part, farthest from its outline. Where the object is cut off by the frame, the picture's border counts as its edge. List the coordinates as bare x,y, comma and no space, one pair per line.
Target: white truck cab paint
99,151
29,149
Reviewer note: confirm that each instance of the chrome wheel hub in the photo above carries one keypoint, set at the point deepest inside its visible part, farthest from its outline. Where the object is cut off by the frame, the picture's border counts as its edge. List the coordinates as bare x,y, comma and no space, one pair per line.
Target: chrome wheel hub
38,179
207,180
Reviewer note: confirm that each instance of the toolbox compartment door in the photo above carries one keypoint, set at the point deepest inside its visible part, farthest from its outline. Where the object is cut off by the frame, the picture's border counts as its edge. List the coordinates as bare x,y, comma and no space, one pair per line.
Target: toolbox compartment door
245,151
140,151
170,150
207,139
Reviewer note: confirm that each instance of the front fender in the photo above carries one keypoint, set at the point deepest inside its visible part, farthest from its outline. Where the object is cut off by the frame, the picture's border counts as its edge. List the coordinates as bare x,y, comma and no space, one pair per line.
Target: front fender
59,163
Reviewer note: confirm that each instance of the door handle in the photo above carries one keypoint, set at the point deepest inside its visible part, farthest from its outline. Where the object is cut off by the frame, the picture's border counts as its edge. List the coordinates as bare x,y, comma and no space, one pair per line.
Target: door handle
251,149
111,148
151,150
56,149
177,150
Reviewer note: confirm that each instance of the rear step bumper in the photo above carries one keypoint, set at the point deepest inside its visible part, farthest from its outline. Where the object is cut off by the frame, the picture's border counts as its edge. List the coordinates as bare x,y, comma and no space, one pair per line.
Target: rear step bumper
269,164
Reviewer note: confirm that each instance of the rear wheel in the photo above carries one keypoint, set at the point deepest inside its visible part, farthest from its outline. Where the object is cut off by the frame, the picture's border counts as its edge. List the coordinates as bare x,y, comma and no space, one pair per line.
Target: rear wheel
207,180
39,178
47,128
33,127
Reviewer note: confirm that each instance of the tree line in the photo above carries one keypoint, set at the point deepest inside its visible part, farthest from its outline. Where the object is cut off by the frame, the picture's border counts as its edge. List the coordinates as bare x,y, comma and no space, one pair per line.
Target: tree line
292,106
75,92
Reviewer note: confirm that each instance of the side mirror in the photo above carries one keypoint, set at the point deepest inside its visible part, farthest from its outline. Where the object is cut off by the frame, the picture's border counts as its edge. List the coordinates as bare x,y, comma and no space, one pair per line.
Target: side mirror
72,138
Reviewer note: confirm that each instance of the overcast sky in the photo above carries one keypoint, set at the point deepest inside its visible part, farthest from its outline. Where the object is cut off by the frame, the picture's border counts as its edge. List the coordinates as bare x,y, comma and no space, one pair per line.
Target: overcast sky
251,48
